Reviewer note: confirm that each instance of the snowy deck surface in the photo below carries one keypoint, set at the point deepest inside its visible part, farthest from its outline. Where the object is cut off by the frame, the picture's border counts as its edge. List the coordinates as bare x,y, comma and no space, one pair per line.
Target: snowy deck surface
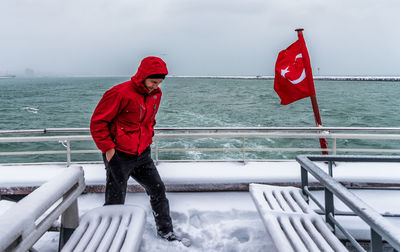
218,221
209,173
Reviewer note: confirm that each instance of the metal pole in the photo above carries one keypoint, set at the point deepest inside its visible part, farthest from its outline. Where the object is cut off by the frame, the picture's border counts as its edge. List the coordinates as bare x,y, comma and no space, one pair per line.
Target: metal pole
69,222
68,153
243,150
314,103
376,241
334,146
329,208
156,143
304,181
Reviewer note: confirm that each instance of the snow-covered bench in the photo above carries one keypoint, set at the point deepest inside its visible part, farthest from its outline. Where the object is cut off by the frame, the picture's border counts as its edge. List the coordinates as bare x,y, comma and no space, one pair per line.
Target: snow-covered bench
109,228
291,223
5,205
23,223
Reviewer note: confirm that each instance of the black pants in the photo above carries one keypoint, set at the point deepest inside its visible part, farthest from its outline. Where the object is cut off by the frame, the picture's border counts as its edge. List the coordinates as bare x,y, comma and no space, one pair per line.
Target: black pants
142,169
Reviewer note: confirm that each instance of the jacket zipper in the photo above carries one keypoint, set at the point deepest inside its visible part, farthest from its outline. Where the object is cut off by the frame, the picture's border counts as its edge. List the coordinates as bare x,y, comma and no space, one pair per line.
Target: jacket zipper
154,111
140,123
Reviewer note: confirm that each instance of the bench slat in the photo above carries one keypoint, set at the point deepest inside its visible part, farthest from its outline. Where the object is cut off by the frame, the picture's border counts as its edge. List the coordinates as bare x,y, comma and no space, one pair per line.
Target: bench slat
311,244
291,222
111,232
109,228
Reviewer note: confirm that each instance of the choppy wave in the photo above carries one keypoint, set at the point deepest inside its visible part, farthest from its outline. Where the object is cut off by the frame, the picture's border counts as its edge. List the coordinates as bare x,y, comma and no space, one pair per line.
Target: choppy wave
198,102
31,109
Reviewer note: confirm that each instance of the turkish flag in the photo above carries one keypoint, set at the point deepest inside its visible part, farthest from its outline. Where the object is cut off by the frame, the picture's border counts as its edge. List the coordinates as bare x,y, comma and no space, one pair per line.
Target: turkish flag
293,76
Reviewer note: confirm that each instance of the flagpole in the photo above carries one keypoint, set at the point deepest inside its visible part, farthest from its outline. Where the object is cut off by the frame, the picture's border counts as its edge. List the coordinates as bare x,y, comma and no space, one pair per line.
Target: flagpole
313,97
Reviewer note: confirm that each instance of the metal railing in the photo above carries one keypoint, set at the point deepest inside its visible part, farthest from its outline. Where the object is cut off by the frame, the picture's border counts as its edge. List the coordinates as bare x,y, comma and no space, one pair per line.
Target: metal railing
26,221
243,133
380,227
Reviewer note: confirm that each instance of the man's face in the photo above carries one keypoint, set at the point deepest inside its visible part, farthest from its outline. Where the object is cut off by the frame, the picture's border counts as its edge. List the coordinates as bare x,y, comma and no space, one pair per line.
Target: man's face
152,84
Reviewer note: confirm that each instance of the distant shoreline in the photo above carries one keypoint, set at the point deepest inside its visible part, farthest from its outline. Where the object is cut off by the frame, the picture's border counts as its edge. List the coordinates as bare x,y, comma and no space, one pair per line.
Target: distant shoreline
244,77
269,77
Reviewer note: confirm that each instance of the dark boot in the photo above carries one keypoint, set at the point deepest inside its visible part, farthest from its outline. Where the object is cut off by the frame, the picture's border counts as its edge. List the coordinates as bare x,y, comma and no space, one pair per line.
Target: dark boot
170,236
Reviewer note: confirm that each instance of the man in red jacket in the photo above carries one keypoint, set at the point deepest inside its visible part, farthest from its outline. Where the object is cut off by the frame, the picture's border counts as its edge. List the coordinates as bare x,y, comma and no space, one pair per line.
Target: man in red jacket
122,126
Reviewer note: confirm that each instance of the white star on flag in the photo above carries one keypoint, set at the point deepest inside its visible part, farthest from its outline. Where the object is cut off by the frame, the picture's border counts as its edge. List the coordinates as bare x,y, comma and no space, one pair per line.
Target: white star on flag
284,71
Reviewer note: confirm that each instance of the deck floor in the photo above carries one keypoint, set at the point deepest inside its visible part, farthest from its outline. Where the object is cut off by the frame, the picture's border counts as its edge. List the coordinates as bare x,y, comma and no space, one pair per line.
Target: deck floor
227,176
217,220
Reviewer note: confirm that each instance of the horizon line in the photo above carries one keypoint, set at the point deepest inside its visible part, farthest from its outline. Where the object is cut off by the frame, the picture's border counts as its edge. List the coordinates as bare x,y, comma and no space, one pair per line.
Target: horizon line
259,77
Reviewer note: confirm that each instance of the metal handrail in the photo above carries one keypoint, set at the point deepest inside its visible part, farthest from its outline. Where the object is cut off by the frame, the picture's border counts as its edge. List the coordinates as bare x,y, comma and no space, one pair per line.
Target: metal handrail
25,222
214,135
208,129
241,133
380,227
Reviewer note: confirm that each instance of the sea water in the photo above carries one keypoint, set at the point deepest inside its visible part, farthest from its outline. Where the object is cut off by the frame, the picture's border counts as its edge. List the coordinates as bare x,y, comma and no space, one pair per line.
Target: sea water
38,103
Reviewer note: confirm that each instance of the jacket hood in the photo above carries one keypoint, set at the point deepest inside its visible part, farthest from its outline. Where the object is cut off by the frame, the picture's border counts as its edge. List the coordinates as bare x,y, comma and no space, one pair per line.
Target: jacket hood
149,66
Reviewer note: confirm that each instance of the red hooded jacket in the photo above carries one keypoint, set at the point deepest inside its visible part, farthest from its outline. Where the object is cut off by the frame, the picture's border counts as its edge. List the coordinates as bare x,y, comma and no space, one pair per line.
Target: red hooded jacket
124,119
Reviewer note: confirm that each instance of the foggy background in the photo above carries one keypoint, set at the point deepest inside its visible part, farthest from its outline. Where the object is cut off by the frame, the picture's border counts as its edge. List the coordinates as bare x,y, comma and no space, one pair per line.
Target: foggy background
196,37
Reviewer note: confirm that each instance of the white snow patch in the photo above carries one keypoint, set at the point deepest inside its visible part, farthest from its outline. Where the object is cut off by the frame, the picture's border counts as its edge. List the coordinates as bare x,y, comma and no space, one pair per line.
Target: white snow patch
209,172
213,221
230,219
5,205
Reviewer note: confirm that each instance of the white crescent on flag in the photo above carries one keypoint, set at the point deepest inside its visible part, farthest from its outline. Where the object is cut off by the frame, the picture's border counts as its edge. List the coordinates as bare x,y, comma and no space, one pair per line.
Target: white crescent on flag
298,80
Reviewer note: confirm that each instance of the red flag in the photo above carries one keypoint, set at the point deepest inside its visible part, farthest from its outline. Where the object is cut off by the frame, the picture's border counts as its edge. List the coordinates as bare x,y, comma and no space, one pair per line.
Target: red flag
293,76
294,80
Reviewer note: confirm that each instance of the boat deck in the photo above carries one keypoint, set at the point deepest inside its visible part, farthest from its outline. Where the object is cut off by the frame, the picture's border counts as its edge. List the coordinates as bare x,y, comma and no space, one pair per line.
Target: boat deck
209,200
216,221
204,176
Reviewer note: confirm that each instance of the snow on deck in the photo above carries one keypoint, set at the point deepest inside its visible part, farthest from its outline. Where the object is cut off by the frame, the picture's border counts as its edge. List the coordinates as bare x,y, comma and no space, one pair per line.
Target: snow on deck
208,172
218,221
215,221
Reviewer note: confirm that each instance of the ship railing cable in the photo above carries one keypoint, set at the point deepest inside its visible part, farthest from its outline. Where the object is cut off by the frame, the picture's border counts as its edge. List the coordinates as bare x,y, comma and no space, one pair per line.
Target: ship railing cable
245,141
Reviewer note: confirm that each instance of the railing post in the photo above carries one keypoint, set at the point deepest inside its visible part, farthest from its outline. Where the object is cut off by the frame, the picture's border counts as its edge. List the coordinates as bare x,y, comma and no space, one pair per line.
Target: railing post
330,168
68,152
67,144
304,181
69,222
243,150
376,242
334,146
329,208
156,144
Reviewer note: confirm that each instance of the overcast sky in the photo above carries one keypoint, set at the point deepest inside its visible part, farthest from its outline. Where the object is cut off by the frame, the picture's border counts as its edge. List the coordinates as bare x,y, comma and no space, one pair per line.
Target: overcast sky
197,37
